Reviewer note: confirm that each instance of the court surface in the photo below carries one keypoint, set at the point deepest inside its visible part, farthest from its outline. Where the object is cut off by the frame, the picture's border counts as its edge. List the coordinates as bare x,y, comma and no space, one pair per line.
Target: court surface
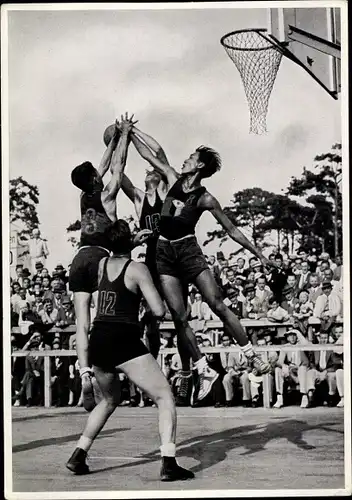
232,448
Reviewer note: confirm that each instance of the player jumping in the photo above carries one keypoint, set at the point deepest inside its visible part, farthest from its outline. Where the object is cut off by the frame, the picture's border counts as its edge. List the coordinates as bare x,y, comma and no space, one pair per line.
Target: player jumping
179,256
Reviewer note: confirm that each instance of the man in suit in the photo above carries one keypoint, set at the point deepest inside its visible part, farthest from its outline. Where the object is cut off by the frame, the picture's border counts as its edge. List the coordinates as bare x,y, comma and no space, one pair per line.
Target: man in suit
323,366
314,288
263,292
235,365
328,305
290,300
292,367
256,381
303,278
252,308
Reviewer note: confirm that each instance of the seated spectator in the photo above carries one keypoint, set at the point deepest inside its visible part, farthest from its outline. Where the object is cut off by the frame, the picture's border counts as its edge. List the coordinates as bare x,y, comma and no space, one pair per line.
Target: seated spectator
66,315
337,286
235,365
200,312
57,282
338,362
36,289
49,314
276,313
252,308
61,273
323,265
290,300
233,301
325,257
322,368
46,283
327,305
303,310
240,283
32,382
338,271
230,278
15,294
292,281
59,376
18,272
214,361
256,381
292,368
313,288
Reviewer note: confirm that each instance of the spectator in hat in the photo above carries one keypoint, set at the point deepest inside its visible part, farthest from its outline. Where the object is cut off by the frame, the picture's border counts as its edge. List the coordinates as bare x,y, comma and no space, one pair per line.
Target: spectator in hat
292,368
38,249
252,309
328,305
233,301
57,282
276,313
337,286
38,270
61,273
66,313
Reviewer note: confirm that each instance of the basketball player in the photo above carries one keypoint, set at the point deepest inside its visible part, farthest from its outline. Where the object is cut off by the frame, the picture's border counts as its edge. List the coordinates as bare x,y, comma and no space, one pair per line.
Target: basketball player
115,343
98,211
180,257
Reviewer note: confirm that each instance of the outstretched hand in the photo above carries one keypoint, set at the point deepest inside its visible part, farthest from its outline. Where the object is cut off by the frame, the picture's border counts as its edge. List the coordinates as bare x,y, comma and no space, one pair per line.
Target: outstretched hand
126,123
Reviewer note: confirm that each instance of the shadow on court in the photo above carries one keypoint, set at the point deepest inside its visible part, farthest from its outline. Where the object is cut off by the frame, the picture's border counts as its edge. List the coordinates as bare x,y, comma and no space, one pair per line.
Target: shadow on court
211,449
43,416
60,440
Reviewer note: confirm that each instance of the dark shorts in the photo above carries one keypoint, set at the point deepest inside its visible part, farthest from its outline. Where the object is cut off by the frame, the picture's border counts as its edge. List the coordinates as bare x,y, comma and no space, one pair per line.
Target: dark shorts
84,269
111,344
183,259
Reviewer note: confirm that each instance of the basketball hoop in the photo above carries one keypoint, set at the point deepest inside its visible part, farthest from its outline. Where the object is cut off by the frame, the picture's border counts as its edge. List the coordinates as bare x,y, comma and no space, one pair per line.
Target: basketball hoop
257,59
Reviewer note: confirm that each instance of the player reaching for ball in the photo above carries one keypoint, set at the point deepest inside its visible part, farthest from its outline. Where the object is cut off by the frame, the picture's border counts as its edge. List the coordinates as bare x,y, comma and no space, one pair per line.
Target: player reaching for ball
115,343
98,212
180,258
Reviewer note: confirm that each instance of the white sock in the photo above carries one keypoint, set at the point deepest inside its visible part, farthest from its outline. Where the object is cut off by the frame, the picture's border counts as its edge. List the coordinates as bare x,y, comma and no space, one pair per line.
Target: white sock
247,350
201,364
84,443
168,450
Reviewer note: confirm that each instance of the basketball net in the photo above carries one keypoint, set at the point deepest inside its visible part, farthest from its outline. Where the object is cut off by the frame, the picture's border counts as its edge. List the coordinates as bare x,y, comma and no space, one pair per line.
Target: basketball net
257,60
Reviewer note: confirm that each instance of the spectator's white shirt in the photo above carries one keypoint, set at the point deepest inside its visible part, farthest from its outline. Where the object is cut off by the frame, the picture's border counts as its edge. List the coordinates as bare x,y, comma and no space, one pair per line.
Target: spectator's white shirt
314,293
280,314
15,298
329,305
202,311
37,248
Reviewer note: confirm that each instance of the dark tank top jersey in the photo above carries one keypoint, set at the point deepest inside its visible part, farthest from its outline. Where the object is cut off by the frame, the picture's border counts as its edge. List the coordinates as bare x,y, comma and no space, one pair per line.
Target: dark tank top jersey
150,219
116,303
180,213
94,221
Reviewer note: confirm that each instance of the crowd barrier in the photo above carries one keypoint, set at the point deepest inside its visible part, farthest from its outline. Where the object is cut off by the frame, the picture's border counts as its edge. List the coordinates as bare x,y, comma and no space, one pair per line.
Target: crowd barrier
264,350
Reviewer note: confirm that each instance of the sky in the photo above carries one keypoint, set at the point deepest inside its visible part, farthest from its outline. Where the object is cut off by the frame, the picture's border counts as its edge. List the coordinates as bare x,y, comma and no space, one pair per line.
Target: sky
71,73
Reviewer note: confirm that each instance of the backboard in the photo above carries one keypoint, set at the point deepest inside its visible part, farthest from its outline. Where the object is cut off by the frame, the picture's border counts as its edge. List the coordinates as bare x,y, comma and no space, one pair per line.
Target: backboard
313,36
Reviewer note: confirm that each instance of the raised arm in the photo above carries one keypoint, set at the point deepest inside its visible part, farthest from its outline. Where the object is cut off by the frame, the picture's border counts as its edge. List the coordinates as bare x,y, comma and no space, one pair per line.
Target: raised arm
106,159
152,144
160,166
117,166
208,202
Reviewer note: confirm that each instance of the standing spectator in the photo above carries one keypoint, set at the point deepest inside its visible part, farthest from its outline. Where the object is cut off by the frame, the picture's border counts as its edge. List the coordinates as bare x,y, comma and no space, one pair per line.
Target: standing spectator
215,269
337,286
292,281
322,368
304,276
292,367
235,365
38,249
241,263
327,305
277,277
32,382
277,313
263,293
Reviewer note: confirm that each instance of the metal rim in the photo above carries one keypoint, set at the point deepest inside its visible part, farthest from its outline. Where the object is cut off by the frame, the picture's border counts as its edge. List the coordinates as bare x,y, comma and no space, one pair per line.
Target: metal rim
259,31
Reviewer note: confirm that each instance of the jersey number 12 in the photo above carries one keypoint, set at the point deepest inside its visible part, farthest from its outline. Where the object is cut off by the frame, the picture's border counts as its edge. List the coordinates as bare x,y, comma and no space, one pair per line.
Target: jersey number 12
107,303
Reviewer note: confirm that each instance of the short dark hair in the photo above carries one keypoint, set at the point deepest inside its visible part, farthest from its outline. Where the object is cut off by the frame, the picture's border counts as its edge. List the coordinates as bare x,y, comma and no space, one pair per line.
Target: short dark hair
279,256
211,160
120,238
273,299
82,176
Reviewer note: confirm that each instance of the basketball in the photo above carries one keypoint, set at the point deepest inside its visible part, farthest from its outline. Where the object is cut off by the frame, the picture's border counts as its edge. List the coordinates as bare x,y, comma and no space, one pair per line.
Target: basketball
109,132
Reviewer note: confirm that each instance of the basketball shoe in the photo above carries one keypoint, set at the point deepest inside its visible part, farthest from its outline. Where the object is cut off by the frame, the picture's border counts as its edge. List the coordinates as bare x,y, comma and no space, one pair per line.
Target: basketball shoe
77,462
171,471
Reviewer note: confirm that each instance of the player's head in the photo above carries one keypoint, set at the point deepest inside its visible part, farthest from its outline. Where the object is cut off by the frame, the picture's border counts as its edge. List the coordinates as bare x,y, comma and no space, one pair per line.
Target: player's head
204,160
86,177
120,238
152,178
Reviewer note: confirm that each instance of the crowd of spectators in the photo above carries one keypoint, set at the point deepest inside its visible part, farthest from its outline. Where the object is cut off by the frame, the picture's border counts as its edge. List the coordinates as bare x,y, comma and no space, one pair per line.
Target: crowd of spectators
299,287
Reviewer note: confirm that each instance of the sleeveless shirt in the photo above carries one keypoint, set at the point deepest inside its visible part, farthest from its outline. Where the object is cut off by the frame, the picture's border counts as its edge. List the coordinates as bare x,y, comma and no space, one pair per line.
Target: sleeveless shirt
150,219
116,303
180,213
94,221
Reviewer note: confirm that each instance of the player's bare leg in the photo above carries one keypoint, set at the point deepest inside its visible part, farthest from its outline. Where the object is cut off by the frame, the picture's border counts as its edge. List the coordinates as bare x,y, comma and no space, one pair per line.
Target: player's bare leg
211,293
187,342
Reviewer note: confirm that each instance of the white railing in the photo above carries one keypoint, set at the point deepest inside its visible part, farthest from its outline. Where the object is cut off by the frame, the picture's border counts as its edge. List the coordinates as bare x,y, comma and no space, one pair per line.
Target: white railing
165,351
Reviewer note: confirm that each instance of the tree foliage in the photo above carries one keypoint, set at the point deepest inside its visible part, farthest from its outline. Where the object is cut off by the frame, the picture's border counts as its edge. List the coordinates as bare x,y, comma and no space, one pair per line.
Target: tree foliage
24,199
